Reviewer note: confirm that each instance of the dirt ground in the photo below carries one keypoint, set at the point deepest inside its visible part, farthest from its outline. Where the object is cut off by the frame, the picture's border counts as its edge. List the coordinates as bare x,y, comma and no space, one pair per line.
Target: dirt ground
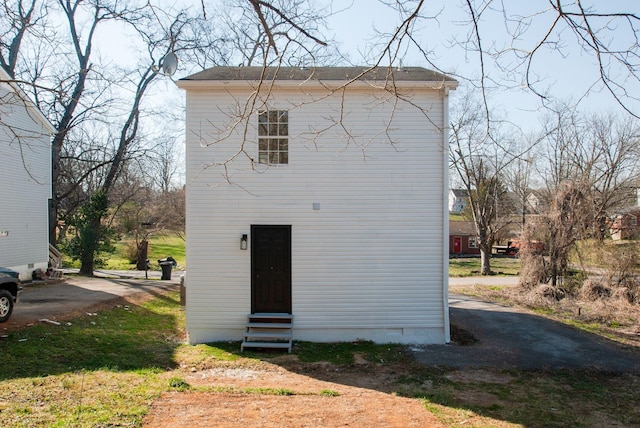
323,397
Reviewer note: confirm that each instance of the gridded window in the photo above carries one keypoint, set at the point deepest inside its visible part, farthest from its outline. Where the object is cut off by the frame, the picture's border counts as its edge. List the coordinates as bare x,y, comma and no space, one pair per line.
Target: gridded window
473,242
273,137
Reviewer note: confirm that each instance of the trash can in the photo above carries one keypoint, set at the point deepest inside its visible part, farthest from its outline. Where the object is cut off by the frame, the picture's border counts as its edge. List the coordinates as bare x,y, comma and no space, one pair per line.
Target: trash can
166,265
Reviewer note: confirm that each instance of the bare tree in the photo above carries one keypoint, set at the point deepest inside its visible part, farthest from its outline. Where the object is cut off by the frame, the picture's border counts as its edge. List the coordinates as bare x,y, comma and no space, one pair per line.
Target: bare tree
20,17
600,150
278,30
564,222
589,171
520,176
481,164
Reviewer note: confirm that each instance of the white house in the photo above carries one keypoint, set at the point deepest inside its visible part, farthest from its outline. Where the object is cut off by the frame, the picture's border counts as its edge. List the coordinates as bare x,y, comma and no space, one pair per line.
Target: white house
458,200
335,182
25,181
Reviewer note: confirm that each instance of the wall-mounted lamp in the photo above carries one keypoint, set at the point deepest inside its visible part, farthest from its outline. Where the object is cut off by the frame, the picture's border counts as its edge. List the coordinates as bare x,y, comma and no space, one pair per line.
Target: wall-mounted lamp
243,242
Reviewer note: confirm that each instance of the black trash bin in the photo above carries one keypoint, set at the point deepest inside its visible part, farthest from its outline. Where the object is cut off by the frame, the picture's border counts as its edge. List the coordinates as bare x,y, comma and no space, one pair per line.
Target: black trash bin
166,265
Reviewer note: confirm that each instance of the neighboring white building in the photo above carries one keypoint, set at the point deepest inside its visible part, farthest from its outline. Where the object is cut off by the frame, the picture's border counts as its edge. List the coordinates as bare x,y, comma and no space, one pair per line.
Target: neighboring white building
458,200
25,181
341,195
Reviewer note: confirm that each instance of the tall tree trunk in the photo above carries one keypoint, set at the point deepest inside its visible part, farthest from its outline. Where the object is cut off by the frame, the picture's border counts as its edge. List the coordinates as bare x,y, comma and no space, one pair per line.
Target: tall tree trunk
485,260
90,238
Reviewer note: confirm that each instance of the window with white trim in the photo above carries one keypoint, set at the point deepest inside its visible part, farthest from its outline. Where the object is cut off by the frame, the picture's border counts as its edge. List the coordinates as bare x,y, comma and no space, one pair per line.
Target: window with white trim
273,137
473,242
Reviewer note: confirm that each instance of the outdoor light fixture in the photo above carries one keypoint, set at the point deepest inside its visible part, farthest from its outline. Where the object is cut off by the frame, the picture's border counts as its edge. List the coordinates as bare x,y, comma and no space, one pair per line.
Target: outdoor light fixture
243,242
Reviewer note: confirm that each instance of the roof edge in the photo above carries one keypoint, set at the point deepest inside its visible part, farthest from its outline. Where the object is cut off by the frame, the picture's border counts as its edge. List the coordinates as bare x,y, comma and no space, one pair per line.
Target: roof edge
5,78
320,74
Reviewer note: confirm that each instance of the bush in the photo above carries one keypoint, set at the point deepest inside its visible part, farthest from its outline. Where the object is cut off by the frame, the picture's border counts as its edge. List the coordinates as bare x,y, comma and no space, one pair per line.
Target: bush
532,270
130,252
625,294
593,289
549,292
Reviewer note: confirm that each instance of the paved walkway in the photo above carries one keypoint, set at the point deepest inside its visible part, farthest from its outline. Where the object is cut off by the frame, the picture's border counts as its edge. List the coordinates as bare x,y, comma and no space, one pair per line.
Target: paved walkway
509,338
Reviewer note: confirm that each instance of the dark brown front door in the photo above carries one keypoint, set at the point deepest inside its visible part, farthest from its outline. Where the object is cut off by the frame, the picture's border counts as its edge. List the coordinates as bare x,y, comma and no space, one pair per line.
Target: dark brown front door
270,269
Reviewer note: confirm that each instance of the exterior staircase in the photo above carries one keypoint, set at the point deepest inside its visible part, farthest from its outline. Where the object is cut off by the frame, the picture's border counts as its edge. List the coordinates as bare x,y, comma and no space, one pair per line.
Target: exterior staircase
268,331
55,262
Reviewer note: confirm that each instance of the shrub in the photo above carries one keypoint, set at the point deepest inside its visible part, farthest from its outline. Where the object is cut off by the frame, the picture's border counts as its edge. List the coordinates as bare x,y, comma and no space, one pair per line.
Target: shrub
130,252
593,289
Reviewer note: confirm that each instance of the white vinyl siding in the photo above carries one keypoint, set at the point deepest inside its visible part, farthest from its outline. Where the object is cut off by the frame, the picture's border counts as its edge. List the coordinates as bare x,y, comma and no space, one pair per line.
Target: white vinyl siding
25,183
369,262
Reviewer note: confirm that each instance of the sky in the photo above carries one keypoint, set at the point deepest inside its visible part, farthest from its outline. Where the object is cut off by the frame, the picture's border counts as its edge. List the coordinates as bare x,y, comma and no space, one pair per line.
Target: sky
567,72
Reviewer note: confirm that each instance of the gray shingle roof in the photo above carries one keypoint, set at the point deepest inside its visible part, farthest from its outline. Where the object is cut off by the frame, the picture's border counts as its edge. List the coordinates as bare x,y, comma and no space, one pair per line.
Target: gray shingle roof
414,74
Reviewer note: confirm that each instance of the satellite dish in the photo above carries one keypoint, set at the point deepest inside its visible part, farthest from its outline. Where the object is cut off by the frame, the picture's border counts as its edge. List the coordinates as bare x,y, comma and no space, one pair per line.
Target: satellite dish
169,64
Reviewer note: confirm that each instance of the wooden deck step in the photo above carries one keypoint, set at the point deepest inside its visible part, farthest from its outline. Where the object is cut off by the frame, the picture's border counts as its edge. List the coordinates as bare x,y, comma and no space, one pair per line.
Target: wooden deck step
268,331
282,316
270,334
266,345
271,325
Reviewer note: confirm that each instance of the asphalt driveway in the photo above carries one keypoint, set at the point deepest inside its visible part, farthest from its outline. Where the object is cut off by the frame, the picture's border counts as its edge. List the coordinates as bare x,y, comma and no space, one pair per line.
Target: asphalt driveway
76,295
508,338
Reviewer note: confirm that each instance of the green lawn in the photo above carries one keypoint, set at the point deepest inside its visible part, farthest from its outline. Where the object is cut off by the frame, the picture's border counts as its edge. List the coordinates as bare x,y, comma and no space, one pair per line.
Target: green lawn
471,266
160,246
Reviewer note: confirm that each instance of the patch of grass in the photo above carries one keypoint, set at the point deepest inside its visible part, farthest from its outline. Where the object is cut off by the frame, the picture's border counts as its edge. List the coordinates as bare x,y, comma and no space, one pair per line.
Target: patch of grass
549,399
170,244
178,384
461,267
116,340
344,352
269,391
204,355
94,371
329,393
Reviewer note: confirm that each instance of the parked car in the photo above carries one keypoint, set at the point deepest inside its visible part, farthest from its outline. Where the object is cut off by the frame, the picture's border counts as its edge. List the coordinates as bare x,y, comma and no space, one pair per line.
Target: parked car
9,289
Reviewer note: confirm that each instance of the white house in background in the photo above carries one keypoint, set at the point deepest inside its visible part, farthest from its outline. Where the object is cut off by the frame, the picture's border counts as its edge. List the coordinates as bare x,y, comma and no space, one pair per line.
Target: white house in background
324,201
25,181
458,200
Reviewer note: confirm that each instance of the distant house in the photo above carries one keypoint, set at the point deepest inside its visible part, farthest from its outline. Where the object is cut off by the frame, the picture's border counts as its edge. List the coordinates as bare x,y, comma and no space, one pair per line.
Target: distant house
463,238
458,200
318,201
25,181
625,224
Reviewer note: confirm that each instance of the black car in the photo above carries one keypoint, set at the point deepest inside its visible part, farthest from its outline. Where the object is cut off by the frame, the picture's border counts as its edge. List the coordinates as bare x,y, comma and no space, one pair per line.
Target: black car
9,289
